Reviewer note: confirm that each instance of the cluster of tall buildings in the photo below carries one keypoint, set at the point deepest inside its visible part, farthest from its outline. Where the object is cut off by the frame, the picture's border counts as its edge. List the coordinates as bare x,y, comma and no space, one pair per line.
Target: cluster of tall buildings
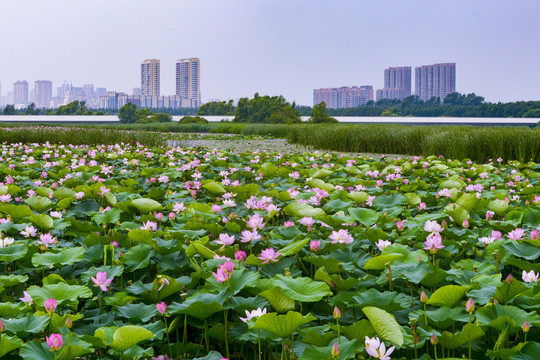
436,80
188,91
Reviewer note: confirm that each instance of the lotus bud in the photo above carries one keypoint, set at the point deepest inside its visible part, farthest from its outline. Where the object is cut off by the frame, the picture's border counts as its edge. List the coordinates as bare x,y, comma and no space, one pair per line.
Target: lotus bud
526,327
470,305
444,224
2,326
434,340
315,245
172,216
228,266
240,255
534,235
466,224
509,279
399,225
55,342
69,323
335,350
423,297
50,305
337,313
161,308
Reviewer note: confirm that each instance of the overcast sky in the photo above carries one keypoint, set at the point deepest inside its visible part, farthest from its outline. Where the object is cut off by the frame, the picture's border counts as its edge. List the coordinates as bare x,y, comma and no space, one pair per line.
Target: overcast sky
272,47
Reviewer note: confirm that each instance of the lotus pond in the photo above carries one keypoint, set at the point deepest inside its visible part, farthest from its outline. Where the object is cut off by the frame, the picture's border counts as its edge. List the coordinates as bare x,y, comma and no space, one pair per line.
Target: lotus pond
135,252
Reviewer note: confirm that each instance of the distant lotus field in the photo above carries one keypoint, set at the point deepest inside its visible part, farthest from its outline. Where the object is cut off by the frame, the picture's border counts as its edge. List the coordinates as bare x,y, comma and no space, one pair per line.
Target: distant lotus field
138,252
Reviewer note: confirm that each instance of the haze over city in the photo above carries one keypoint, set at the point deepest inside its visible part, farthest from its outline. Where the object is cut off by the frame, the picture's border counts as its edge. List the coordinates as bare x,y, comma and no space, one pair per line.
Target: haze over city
275,48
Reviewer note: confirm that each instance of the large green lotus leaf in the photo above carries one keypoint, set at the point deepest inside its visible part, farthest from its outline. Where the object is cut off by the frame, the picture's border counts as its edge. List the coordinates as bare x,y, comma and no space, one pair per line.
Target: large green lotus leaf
513,218
413,273
143,236
201,306
12,280
380,262
359,197
470,332
332,265
498,316
468,201
314,337
137,312
42,221
385,325
65,256
333,206
413,199
522,250
321,173
9,310
63,192
16,211
13,252
293,248
302,289
166,290
531,216
388,201
240,278
347,350
110,198
28,325
108,217
39,203
366,217
34,350
9,343
146,205
279,301
388,301
203,250
303,210
59,321
214,188
126,336
64,203
75,350
60,292
318,183
282,325
506,292
531,351
359,330
450,184
457,212
138,257
448,295
446,316
500,207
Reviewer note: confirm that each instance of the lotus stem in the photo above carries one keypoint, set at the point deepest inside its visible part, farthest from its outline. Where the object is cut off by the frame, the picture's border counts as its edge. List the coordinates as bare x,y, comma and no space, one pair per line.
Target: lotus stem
226,331
206,335
259,341
425,314
167,333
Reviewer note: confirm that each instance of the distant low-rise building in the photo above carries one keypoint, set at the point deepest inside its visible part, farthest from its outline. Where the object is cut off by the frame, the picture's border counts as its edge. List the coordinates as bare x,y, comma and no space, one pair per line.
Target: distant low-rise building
343,97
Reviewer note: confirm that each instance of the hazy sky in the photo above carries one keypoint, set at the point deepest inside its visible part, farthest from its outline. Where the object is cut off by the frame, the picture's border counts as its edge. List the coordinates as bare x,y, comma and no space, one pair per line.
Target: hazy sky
273,47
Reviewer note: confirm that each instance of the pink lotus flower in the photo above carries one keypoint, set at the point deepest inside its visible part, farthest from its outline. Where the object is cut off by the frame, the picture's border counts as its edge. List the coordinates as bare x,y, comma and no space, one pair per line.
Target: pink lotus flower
269,255
534,235
256,222
225,239
46,240
432,227
55,342
307,221
381,244
341,236
377,349
101,280
178,207
516,234
29,231
240,255
27,299
221,276
497,235
315,245
253,314
486,240
161,308
248,236
162,282
50,305
149,225
433,243
288,224
529,276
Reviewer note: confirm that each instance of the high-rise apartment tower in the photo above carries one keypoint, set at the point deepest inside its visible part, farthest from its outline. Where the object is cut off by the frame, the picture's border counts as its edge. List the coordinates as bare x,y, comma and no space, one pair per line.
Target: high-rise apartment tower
188,80
20,93
436,80
397,83
43,93
150,77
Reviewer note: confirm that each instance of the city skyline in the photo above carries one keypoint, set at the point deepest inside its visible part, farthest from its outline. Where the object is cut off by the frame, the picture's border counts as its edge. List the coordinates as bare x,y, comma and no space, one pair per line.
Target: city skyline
275,48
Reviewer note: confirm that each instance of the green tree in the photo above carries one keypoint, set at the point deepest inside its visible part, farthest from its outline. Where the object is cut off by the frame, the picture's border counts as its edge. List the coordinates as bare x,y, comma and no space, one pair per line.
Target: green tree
73,108
161,117
319,114
9,110
390,112
128,113
266,109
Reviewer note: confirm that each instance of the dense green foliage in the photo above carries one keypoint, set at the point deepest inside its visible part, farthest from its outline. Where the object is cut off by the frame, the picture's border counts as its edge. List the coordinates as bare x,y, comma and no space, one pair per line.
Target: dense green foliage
217,108
193,120
129,113
266,109
320,115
